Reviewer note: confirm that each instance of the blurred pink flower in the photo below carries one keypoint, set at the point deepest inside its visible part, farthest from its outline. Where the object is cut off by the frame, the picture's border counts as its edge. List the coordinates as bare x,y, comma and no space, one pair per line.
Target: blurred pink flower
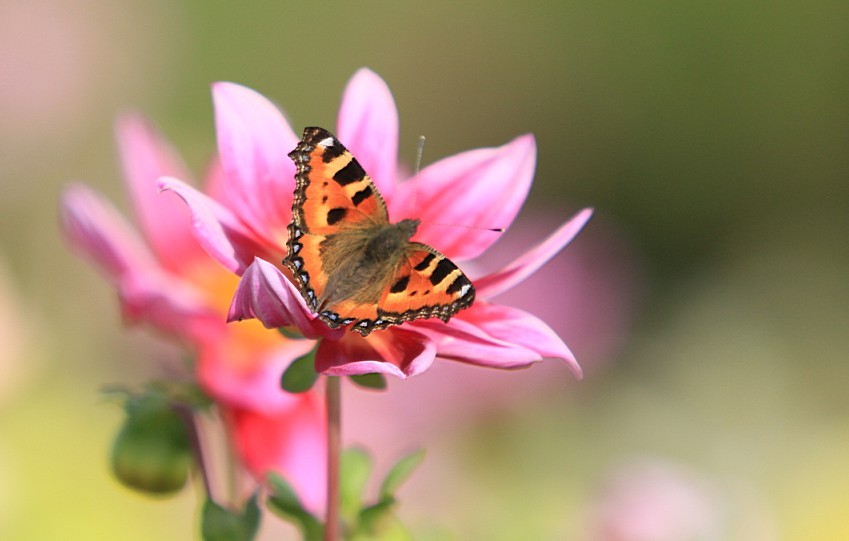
165,279
655,501
659,500
479,189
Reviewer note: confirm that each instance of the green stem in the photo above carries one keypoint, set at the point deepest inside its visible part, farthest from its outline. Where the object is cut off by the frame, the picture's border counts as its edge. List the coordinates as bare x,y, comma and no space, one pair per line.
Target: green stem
190,422
333,398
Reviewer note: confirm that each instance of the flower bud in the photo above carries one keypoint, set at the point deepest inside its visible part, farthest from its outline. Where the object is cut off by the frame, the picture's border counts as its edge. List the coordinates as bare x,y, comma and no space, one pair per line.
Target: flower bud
152,452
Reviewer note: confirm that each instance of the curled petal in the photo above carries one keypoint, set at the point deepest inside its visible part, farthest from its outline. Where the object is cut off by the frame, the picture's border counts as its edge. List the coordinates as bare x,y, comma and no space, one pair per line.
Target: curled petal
477,190
215,227
266,294
146,157
291,441
520,329
254,141
499,282
397,352
368,126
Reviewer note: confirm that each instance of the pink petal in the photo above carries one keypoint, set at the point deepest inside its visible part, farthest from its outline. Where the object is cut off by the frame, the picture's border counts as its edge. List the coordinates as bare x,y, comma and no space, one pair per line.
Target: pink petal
291,442
235,370
96,230
499,282
368,127
215,228
474,191
266,294
520,329
463,341
396,352
215,181
254,141
165,223
168,304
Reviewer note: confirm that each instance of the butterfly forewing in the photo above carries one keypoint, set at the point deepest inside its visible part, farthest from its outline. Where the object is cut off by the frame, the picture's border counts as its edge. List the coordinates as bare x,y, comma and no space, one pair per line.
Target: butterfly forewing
333,191
337,211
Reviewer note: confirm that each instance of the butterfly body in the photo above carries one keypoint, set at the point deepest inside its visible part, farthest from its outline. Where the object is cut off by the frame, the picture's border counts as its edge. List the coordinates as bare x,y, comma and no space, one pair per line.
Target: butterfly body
352,265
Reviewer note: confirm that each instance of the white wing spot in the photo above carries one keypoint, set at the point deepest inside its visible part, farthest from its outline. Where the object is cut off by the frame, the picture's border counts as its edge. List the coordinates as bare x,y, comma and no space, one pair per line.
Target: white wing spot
326,142
464,289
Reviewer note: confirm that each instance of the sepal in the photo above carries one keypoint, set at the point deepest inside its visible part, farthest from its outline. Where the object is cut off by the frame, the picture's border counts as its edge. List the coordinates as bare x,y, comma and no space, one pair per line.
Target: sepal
300,376
374,381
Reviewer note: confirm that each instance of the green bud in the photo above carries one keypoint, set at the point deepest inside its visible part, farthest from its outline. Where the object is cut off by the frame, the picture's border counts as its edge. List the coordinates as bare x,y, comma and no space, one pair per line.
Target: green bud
152,452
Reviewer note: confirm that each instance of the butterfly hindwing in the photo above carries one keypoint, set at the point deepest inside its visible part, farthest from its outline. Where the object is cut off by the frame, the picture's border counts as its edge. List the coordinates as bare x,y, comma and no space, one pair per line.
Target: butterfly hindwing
426,285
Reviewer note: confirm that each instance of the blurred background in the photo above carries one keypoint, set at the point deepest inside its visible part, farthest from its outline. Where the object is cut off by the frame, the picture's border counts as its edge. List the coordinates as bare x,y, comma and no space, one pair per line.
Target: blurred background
707,300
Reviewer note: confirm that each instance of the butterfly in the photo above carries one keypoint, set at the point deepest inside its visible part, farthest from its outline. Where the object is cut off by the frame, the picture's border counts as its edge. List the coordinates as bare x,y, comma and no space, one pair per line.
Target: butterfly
351,264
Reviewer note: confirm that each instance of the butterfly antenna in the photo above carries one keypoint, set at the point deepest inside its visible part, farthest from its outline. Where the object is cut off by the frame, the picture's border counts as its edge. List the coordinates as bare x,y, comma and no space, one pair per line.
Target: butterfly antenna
463,226
419,154
417,167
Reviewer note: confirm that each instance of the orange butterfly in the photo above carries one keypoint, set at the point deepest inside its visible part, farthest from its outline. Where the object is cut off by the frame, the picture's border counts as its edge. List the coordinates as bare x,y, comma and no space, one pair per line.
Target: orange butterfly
351,264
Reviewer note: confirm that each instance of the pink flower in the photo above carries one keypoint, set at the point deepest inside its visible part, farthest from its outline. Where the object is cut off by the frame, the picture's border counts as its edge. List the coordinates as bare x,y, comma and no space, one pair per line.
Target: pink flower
484,188
166,280
652,499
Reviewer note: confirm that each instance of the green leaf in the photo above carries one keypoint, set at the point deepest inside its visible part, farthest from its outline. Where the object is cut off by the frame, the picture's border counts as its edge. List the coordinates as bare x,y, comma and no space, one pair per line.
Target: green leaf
285,502
378,522
301,374
283,494
290,333
399,474
355,468
374,381
221,524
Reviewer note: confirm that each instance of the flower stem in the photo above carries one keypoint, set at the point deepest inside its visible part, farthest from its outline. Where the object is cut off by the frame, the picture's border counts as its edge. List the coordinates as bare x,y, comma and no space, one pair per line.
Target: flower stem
333,398
190,421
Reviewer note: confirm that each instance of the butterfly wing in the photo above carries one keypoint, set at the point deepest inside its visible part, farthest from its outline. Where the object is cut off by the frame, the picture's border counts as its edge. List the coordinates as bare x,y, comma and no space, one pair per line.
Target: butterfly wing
427,284
333,196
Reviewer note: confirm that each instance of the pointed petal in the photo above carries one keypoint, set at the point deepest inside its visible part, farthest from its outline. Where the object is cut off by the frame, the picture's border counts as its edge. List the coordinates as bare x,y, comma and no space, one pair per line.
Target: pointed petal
266,294
521,329
368,127
254,141
480,189
145,157
291,442
96,230
99,233
396,352
463,341
215,228
499,282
